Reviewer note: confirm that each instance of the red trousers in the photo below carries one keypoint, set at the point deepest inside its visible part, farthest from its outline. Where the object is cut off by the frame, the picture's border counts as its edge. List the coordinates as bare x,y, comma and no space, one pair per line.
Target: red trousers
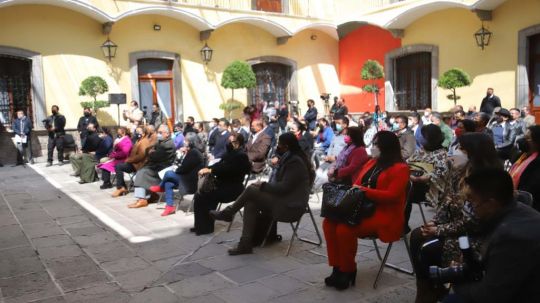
342,242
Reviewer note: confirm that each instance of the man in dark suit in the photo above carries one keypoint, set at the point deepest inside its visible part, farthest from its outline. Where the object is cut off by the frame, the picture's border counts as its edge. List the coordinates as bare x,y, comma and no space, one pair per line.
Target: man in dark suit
55,125
270,131
222,138
311,115
84,163
82,126
22,127
283,115
258,146
490,102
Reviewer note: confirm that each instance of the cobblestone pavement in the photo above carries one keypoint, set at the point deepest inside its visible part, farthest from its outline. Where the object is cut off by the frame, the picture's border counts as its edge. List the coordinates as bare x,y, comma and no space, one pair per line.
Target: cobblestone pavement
61,241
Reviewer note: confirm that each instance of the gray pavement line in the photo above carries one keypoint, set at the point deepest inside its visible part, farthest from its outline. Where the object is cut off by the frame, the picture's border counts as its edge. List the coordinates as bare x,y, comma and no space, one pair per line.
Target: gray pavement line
33,247
121,230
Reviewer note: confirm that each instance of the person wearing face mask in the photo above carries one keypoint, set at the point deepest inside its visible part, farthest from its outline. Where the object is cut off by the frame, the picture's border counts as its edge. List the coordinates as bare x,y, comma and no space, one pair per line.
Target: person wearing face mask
230,173
311,115
189,126
257,146
134,116
526,171
490,102
213,133
84,163
119,154
86,119
351,159
135,161
462,127
202,133
178,135
160,156
504,134
384,180
426,118
55,124
221,139
325,136
453,216
137,135
406,137
305,140
338,142
22,127
284,196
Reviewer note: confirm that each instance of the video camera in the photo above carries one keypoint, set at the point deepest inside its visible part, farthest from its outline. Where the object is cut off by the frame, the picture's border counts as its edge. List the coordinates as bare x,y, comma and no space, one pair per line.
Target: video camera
470,270
47,123
325,97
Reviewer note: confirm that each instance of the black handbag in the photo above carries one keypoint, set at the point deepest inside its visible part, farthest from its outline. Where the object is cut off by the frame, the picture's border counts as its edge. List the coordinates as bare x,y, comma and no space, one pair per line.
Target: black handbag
206,183
346,204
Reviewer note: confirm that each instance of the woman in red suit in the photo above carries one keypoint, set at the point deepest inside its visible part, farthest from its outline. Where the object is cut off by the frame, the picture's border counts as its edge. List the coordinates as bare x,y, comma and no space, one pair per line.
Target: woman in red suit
388,176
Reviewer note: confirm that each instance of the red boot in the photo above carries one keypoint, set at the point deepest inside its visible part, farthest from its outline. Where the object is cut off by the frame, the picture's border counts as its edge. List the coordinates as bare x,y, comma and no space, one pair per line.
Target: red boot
169,210
157,189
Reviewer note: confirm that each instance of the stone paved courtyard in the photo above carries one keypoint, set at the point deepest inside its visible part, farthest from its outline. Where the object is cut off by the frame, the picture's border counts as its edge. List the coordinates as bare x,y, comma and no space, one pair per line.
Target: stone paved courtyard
61,241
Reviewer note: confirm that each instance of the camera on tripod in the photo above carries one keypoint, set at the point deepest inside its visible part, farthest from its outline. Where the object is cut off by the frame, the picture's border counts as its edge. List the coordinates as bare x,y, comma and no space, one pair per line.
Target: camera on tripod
470,270
325,97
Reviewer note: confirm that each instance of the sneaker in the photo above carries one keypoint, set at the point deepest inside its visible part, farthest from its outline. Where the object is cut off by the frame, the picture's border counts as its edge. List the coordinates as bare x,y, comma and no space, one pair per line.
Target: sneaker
169,210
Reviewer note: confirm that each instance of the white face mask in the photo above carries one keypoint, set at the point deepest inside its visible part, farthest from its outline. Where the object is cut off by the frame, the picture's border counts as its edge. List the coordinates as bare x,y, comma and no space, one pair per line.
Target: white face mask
426,114
236,129
375,152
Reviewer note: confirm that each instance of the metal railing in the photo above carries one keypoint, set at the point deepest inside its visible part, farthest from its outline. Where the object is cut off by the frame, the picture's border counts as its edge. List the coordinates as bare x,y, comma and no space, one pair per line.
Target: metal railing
321,9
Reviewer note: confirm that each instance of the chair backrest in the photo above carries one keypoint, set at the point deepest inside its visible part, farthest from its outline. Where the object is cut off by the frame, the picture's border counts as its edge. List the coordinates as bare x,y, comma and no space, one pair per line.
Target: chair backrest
524,197
69,142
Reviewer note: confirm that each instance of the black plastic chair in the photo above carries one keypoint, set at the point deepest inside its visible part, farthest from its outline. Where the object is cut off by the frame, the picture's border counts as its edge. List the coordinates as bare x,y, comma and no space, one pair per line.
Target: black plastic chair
295,229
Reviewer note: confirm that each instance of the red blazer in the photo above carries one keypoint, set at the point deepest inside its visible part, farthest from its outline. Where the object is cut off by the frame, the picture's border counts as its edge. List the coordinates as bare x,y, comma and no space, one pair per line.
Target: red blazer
390,198
353,165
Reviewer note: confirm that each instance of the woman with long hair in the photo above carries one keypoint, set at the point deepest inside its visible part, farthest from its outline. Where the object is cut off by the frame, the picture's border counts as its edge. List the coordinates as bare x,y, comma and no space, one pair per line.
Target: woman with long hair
350,160
284,196
384,180
121,149
526,171
453,217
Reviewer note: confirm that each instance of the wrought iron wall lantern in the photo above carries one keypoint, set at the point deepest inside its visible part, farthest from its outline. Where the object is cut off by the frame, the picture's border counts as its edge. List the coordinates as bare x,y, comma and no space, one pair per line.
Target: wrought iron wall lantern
109,49
483,37
206,53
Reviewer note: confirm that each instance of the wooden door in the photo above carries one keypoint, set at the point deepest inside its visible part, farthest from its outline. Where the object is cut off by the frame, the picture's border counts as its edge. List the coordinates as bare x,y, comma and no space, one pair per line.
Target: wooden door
534,75
156,87
269,6
413,81
15,88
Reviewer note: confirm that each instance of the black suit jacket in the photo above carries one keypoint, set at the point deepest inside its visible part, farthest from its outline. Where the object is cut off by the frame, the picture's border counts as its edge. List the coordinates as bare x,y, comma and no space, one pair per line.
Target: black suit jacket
83,124
189,168
511,260
488,104
92,143
530,181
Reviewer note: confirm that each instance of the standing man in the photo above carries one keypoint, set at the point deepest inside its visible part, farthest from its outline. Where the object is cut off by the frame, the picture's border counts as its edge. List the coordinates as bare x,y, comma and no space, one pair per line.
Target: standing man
84,121
311,115
133,116
55,124
283,115
222,138
156,118
341,110
22,127
490,102
188,126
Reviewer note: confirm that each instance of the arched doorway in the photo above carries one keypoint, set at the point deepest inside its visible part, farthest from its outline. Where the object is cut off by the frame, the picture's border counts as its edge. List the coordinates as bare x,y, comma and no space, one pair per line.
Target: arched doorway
15,87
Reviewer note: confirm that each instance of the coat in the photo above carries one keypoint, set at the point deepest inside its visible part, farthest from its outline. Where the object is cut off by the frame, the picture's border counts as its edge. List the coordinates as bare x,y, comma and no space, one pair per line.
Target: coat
292,183
510,260
257,151
353,165
83,124
120,153
220,147
57,121
231,170
160,156
530,181
22,126
189,168
407,142
390,197
488,104
137,156
311,118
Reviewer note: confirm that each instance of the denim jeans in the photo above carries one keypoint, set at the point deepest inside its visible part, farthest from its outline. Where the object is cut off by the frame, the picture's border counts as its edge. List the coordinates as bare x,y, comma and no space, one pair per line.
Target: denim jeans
169,182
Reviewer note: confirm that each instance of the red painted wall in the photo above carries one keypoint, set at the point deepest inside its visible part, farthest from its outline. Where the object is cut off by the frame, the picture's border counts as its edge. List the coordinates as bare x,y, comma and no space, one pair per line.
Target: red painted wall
365,43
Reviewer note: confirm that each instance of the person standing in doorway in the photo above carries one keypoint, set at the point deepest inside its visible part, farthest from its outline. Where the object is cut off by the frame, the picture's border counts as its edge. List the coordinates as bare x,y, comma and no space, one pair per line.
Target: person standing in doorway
311,115
22,127
490,102
55,124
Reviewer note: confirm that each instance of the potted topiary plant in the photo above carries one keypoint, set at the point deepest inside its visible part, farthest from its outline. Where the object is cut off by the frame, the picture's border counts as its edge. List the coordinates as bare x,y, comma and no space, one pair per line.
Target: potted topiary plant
237,75
452,79
372,70
92,87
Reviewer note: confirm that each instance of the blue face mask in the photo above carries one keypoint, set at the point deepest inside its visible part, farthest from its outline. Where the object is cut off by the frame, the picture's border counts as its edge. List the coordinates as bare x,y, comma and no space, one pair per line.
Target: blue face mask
339,128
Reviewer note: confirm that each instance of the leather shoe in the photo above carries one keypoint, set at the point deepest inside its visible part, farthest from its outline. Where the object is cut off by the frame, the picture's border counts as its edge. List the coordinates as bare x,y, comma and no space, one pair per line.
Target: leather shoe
140,203
48,164
240,250
106,186
221,216
82,182
122,191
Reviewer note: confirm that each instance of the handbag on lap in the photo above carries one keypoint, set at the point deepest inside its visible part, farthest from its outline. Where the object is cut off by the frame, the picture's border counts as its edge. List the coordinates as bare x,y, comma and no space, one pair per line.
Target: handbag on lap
206,183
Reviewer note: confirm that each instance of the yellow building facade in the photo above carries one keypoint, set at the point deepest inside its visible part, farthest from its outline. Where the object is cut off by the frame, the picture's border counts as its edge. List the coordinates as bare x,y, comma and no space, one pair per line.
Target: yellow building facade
56,44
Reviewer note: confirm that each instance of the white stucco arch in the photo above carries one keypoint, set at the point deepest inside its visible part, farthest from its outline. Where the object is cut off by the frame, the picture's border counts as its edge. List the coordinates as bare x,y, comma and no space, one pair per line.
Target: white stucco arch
270,26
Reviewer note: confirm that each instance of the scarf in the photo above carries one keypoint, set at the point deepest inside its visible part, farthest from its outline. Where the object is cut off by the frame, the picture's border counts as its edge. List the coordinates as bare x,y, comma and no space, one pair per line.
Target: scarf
519,167
343,155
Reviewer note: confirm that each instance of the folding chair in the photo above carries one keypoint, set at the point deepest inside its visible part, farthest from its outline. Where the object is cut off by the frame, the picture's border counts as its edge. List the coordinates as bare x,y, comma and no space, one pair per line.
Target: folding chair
295,230
384,259
131,185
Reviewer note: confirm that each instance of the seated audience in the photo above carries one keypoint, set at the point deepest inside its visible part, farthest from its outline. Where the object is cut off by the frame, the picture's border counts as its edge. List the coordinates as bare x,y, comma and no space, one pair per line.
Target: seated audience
221,138
462,127
202,133
437,119
510,252
84,163
121,150
230,173
135,161
184,176
325,136
526,171
352,158
405,136
504,135
257,146
160,156
285,195
384,179
453,215
178,135
305,140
